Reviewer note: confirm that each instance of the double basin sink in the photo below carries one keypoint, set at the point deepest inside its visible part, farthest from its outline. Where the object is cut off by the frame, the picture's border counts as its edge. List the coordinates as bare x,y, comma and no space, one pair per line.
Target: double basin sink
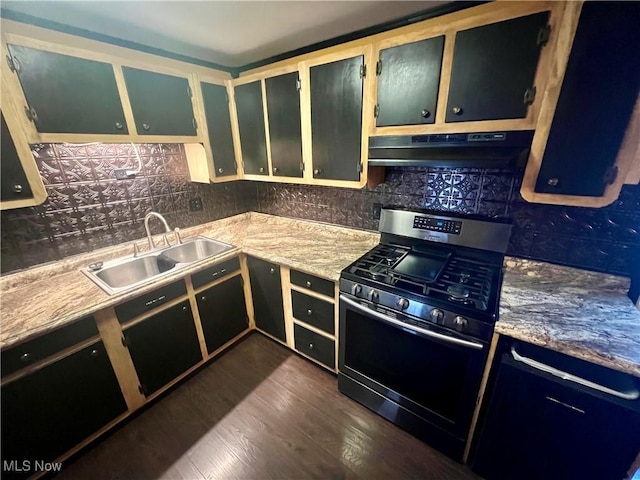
126,273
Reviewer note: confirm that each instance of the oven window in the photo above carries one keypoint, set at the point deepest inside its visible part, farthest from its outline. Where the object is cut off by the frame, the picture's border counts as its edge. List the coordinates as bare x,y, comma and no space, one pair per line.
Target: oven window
427,372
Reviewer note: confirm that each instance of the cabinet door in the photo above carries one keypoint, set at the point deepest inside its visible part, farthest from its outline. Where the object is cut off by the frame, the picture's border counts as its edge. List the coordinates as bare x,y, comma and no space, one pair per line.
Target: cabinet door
47,412
163,346
161,103
336,119
69,94
251,125
266,292
216,108
13,181
599,90
537,427
408,83
285,131
493,67
223,312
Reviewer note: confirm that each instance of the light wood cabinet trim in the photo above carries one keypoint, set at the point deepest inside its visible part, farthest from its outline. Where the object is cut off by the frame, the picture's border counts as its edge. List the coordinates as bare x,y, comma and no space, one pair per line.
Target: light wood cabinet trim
336,320
196,317
311,293
235,129
124,100
111,334
244,270
312,328
630,150
285,279
481,392
150,313
317,362
305,123
267,135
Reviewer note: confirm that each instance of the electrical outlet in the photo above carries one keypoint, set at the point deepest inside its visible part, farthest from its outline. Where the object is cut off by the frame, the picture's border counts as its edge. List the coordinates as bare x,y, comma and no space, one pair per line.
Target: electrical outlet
195,204
121,174
377,209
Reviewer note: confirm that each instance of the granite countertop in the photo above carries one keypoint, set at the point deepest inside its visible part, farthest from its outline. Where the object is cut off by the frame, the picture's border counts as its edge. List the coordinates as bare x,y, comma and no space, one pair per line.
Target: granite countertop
42,298
583,314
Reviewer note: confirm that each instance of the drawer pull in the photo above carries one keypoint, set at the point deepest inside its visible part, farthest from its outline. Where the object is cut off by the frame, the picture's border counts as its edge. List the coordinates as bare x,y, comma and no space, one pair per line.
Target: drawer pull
184,308
203,298
308,284
571,407
311,346
155,300
272,270
309,312
94,353
25,358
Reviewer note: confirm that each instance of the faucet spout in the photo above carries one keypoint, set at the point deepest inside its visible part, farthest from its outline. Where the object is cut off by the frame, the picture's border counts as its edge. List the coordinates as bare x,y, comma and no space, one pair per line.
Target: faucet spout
146,227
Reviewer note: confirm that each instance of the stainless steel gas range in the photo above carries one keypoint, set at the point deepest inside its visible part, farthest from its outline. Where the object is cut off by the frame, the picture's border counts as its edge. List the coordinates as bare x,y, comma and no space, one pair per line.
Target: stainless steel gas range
416,318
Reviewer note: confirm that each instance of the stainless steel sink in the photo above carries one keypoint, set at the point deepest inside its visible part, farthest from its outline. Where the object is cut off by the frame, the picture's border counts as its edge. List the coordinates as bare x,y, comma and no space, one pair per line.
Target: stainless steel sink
129,272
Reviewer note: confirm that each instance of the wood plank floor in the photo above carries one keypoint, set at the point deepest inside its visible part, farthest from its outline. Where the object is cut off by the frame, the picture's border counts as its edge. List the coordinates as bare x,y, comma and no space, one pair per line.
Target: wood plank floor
260,412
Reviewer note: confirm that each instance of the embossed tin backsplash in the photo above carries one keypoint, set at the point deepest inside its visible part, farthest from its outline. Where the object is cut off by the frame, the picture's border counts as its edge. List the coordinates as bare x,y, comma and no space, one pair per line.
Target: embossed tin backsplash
605,239
87,208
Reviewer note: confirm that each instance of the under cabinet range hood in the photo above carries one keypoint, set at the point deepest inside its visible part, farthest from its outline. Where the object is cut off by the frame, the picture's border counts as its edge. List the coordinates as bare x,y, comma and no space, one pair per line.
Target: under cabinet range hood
471,150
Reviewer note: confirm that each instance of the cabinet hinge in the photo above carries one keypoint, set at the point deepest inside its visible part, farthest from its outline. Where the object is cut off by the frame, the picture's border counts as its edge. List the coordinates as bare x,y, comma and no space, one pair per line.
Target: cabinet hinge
363,71
243,167
543,35
360,166
195,124
302,167
13,63
298,84
125,341
610,175
378,67
31,114
189,92
529,95
142,389
376,111
226,97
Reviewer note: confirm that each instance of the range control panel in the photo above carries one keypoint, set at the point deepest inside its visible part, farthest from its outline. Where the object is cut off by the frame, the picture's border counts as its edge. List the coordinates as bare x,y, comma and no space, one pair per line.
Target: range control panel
437,225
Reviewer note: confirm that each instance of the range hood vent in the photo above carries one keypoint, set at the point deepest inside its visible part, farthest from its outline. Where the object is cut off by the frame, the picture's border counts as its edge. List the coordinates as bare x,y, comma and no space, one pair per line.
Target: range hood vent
470,150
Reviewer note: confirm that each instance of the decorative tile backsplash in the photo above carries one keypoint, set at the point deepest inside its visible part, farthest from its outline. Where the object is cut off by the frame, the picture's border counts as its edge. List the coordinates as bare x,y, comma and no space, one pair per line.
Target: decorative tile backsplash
87,208
605,239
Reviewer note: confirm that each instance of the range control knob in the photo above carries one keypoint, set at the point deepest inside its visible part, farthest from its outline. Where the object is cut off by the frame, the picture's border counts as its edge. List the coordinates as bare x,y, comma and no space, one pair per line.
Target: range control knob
436,315
374,296
403,303
356,289
460,322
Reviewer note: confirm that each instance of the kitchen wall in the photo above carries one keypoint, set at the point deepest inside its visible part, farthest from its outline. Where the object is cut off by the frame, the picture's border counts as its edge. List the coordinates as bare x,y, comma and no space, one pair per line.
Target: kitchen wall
606,239
87,208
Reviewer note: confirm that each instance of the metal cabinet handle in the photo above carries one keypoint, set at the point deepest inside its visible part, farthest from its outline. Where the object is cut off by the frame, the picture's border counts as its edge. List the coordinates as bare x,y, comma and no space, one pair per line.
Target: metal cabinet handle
457,110
119,126
308,284
309,312
570,407
25,357
220,170
184,308
272,270
17,188
425,113
261,170
553,181
203,298
155,300
95,353
145,126
275,169
317,171
570,377
311,346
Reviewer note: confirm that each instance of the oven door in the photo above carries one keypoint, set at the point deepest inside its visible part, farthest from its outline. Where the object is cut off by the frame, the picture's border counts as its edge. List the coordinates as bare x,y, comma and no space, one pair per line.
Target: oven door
428,370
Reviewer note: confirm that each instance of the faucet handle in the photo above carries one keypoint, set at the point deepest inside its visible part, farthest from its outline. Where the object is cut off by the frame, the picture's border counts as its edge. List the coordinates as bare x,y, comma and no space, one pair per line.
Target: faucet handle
136,249
165,240
176,231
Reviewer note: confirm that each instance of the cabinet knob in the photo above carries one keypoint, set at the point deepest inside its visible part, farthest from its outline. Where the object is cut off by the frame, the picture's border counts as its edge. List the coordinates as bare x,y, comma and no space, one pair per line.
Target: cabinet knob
272,270
95,353
275,169
17,188
119,126
309,312
308,284
184,308
425,113
261,169
457,110
220,170
311,346
145,126
553,181
25,358
317,171
203,298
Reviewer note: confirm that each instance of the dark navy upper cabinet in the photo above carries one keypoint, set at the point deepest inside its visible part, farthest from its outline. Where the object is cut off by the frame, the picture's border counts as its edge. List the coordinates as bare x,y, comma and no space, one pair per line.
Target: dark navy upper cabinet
493,70
253,142
216,107
285,131
336,118
67,94
161,103
597,98
14,184
408,83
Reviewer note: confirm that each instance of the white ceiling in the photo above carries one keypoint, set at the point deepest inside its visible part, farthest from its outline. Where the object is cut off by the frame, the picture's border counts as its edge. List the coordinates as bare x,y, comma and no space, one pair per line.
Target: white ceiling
231,33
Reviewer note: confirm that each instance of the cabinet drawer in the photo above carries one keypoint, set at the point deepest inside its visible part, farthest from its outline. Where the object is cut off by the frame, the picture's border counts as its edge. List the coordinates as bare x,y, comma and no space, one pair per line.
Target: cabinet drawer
315,345
40,348
213,273
320,285
313,311
149,301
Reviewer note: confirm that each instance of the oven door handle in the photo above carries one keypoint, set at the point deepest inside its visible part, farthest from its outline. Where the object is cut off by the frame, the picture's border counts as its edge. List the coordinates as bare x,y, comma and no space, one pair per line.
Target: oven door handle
423,331
633,395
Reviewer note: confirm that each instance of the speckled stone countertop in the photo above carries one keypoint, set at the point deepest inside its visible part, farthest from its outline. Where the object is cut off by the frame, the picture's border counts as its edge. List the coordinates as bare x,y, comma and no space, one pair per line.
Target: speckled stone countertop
42,298
583,314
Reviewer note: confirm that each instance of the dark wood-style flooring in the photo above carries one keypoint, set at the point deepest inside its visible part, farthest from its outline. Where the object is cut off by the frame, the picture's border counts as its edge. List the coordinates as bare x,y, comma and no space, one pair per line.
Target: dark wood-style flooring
260,412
